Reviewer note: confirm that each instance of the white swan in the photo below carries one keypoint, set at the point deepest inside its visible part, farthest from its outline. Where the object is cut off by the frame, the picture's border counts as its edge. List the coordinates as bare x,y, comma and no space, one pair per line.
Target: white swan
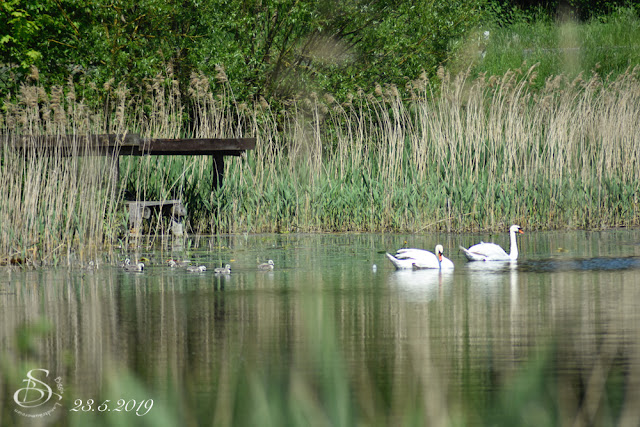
267,266
492,252
173,263
223,270
194,269
134,267
406,259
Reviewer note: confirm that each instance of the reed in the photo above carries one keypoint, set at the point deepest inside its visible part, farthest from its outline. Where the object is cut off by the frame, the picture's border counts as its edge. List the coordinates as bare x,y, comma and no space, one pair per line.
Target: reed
456,153
52,202
459,154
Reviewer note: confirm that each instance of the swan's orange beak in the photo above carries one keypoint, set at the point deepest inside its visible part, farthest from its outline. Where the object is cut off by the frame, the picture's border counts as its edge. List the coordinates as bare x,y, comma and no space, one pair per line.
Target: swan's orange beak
440,256
520,231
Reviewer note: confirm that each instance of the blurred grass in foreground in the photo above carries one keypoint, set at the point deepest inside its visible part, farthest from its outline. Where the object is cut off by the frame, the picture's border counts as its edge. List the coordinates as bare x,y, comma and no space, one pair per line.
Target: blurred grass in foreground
557,384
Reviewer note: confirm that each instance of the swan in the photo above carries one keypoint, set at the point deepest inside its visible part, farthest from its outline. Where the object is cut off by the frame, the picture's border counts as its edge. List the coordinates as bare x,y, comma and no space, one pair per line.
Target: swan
267,266
134,267
173,263
194,269
405,259
223,270
492,252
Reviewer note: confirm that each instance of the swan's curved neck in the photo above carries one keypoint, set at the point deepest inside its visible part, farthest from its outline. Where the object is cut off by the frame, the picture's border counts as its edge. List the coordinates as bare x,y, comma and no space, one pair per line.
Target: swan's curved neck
514,246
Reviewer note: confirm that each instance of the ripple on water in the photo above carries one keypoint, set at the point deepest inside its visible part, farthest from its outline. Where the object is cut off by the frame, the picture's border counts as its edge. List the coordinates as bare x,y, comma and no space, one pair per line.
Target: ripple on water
580,264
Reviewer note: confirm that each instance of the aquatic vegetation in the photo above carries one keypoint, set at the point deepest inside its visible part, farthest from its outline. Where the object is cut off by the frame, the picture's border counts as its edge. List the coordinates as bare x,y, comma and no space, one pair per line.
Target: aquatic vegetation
459,155
455,154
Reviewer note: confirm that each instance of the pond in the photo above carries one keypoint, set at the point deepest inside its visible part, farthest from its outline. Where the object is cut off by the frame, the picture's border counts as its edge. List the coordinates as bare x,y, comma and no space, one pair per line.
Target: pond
332,336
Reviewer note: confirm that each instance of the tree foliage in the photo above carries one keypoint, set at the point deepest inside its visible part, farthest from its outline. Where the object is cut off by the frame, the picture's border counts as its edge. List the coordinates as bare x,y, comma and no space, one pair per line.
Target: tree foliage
268,48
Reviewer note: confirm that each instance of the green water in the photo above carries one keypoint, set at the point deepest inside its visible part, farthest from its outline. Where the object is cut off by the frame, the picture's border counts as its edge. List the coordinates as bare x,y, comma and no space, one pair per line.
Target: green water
553,338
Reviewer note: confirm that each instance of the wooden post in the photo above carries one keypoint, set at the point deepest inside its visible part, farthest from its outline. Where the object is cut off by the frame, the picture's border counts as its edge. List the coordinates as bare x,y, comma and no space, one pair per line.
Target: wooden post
133,145
218,171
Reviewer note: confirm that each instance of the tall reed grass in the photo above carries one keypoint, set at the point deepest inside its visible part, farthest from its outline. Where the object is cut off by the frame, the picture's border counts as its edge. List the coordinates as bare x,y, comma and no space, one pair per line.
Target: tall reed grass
452,154
459,154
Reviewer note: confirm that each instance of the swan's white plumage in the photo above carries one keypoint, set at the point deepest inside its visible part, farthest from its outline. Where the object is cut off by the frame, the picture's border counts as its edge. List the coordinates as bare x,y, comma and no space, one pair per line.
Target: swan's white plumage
492,252
134,267
408,259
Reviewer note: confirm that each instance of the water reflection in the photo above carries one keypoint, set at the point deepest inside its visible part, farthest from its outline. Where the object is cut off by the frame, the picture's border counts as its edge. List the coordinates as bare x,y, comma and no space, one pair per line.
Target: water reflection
468,330
420,285
492,274
480,268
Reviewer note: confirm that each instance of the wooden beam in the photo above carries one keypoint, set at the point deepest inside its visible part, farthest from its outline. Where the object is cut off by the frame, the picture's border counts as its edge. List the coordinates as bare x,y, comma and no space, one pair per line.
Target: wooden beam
83,142
203,146
131,145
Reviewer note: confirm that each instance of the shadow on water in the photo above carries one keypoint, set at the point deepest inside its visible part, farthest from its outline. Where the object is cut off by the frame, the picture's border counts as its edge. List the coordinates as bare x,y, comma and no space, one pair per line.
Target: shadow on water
580,264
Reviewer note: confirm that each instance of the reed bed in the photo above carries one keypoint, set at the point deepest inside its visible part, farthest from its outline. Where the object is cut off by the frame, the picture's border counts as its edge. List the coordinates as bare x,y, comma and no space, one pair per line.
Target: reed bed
454,154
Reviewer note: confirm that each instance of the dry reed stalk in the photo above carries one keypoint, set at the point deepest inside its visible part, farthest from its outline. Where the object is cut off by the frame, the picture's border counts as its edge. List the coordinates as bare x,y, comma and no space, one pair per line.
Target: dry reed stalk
458,146
492,130
55,203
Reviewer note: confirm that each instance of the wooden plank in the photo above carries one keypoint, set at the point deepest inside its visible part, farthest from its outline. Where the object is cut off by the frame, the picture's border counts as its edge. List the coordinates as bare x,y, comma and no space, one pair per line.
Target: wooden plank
144,203
199,146
132,144
76,141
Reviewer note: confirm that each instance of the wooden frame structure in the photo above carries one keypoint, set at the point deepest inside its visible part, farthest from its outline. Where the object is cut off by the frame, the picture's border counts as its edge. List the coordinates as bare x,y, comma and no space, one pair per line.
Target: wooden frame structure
134,145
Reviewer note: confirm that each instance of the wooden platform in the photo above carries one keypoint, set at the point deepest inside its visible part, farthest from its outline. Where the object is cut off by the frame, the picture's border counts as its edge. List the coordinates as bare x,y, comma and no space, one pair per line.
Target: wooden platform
134,145
130,145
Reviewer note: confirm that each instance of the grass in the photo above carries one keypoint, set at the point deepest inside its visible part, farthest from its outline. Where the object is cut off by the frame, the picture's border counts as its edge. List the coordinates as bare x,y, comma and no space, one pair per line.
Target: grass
465,155
553,384
456,153
604,45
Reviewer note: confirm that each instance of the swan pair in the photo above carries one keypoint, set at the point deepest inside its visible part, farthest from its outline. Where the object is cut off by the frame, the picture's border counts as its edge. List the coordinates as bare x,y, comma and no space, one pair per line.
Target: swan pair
420,258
